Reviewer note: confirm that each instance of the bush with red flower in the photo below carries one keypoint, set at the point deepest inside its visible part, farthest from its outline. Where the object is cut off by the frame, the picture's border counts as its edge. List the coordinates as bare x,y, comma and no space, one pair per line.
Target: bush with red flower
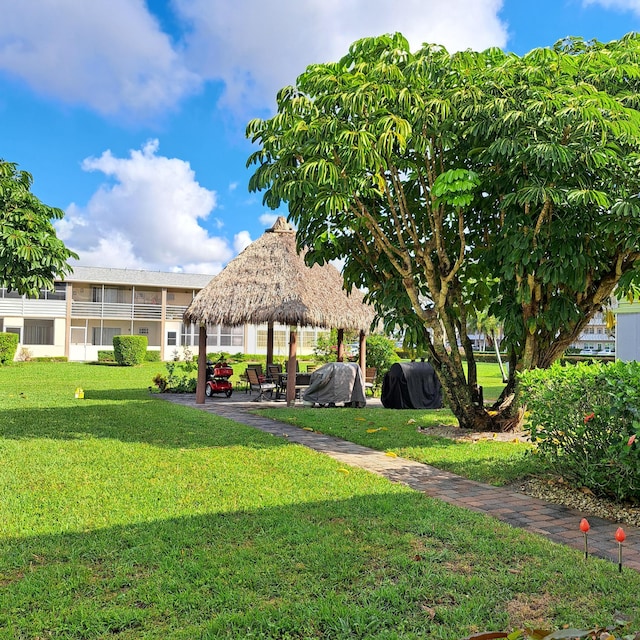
585,421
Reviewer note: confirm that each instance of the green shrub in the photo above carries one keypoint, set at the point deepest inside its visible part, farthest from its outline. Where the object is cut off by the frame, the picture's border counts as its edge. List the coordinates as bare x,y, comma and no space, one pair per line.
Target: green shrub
181,377
152,356
106,356
8,347
129,350
585,421
381,354
50,359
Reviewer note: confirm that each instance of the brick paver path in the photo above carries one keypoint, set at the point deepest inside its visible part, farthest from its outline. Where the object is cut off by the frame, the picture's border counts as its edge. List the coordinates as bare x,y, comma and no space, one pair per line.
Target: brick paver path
556,522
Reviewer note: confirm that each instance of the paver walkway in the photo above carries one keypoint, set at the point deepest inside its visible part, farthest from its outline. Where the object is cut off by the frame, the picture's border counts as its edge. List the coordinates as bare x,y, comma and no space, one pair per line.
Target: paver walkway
556,522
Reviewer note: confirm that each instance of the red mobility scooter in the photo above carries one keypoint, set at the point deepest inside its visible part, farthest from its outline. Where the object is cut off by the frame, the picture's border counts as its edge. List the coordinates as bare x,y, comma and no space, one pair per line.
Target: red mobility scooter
218,375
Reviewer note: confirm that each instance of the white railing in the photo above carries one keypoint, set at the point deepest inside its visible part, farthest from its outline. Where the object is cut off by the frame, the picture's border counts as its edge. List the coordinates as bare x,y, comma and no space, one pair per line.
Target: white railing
175,312
33,308
116,310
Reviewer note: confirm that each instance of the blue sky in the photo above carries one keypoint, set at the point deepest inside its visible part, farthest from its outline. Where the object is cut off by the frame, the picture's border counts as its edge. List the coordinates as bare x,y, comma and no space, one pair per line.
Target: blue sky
130,114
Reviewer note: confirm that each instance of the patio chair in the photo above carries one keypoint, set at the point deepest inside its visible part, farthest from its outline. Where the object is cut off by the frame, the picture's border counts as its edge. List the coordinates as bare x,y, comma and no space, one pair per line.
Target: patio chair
256,385
370,380
273,371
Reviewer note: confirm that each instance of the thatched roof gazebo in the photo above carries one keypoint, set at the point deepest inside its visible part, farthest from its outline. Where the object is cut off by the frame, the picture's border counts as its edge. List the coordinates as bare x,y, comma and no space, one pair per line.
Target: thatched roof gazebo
269,282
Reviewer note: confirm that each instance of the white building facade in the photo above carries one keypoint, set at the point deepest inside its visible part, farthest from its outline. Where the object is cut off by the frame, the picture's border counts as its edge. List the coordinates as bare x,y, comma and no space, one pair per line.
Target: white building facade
628,331
83,314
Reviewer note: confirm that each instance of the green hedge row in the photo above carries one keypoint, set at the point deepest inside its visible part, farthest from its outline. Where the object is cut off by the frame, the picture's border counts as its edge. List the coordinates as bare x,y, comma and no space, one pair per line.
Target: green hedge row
585,421
8,347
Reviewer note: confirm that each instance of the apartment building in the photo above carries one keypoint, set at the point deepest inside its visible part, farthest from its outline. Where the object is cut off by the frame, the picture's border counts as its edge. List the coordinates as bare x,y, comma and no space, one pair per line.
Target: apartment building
596,338
628,331
82,315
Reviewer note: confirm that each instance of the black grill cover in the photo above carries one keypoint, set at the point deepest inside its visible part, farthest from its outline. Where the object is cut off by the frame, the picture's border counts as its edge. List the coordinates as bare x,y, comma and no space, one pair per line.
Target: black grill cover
411,385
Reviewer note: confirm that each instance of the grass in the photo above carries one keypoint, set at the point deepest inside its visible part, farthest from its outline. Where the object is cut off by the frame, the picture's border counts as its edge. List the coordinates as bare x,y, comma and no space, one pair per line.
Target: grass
406,433
123,516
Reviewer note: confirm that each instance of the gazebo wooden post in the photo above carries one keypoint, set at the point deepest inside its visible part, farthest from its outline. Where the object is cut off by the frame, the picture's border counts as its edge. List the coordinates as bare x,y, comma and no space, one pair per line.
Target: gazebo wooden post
291,366
269,343
340,354
202,364
363,352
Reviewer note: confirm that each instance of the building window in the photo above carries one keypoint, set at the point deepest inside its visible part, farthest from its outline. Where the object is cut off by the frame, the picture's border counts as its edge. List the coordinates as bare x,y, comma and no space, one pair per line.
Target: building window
217,336
187,337
59,292
172,338
38,331
111,295
5,293
143,331
104,336
280,339
230,336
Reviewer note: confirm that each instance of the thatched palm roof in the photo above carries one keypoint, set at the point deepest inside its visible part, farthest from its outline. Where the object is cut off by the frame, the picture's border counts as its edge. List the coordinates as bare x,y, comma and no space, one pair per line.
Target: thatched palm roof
270,282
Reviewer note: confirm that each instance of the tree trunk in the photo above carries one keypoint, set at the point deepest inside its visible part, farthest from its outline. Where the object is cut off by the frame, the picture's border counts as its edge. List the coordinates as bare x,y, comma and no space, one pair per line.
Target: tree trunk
499,357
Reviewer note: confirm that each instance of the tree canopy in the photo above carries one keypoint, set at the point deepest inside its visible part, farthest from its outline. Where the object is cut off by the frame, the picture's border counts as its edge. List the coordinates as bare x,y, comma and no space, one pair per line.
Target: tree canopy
453,183
31,254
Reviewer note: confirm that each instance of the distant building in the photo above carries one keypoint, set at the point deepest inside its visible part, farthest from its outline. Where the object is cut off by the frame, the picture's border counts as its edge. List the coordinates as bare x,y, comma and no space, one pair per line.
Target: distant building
628,331
596,337
94,304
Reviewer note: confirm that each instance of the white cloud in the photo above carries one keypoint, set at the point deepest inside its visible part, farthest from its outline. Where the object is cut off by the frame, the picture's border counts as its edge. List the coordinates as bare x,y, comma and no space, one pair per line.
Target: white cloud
622,5
268,219
108,54
257,47
241,241
113,56
147,215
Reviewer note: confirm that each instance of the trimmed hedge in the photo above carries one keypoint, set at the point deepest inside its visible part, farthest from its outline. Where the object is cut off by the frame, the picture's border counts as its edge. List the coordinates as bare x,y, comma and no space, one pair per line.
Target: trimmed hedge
106,356
585,421
8,347
152,356
130,350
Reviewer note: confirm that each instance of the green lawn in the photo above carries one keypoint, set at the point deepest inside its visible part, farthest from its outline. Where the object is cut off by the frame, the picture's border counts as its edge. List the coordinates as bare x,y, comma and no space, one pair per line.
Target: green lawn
407,433
124,516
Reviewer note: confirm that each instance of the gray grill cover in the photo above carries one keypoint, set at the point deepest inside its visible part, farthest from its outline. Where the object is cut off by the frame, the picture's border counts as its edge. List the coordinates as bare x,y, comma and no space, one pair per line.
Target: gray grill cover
411,385
336,382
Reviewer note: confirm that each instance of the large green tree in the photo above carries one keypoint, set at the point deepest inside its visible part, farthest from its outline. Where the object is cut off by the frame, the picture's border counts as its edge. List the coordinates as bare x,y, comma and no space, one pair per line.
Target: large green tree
453,183
31,254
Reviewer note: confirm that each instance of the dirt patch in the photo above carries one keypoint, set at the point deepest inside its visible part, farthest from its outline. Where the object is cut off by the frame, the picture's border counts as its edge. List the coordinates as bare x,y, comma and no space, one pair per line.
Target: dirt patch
527,610
467,435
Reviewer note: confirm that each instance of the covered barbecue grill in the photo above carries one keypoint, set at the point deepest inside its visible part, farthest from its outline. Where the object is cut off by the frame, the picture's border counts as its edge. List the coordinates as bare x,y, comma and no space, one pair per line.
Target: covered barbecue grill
336,383
411,385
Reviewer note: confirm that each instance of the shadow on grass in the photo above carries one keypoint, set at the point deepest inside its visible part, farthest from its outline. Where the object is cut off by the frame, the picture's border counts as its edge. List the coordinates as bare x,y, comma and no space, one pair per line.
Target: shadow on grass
371,566
129,416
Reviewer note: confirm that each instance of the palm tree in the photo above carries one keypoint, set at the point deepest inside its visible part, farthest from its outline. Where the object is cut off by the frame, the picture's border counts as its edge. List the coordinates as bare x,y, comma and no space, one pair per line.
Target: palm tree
490,326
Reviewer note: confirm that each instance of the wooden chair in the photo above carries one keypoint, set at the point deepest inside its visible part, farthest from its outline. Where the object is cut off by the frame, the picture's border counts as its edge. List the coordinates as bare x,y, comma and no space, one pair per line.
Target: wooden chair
273,371
255,384
370,380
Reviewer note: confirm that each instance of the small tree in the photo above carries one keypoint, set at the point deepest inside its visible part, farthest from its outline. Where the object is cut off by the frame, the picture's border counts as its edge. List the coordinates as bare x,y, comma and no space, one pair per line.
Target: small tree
450,183
31,255
8,347
129,350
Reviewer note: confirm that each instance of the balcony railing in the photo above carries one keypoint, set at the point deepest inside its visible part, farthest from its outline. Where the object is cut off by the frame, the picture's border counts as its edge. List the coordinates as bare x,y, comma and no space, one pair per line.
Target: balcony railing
116,310
175,312
30,308
119,311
